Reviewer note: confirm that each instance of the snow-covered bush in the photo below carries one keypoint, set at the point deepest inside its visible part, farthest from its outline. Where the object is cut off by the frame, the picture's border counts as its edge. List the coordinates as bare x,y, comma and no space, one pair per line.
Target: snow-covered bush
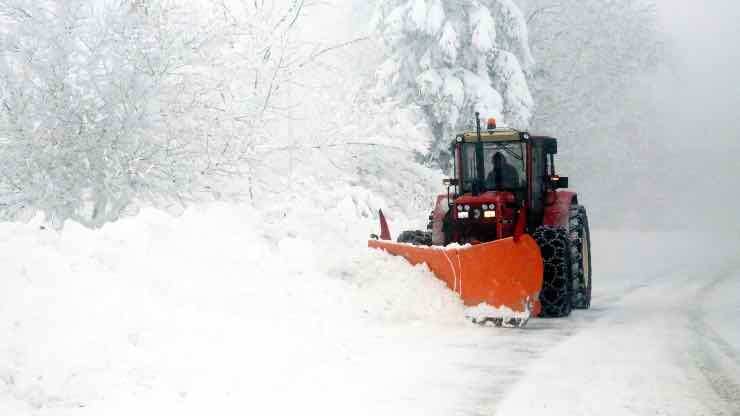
108,104
452,58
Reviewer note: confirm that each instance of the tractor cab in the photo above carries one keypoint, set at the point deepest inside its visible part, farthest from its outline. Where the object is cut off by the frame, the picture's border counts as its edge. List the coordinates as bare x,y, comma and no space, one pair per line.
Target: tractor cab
501,177
504,162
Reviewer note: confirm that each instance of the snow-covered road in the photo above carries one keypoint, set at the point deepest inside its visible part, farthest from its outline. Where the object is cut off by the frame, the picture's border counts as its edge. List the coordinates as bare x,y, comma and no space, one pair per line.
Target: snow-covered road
662,338
228,310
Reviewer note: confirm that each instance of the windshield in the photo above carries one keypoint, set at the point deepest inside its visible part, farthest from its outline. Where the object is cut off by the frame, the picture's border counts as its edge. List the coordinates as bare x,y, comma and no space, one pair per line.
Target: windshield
503,166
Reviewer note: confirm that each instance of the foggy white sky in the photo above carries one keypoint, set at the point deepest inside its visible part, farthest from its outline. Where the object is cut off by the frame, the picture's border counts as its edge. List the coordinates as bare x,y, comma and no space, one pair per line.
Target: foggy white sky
705,38
700,105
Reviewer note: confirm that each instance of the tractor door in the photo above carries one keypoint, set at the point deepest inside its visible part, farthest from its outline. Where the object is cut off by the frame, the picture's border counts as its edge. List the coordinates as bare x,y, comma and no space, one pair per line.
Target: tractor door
541,149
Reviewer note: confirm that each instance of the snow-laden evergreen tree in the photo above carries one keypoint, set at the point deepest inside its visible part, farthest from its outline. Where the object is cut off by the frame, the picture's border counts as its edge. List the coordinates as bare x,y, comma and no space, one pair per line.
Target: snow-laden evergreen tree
452,58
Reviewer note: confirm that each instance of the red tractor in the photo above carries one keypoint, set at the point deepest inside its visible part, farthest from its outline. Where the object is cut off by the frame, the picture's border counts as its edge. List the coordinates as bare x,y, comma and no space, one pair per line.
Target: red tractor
506,230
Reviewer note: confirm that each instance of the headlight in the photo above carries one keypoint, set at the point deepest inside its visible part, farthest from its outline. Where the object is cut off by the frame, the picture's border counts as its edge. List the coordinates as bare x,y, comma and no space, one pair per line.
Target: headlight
489,214
463,215
467,207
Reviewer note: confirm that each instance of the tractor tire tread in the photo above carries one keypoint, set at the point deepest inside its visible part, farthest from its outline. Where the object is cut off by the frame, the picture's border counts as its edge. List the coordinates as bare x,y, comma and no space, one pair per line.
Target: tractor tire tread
556,296
580,235
416,237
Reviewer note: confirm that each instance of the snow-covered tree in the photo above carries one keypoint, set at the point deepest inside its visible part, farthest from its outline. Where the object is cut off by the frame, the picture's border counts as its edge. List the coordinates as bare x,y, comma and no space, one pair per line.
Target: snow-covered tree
107,104
593,84
452,58
590,57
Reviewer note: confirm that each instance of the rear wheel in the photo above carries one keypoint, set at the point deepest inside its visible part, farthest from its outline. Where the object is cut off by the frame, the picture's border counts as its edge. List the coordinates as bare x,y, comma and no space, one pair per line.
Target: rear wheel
556,296
580,242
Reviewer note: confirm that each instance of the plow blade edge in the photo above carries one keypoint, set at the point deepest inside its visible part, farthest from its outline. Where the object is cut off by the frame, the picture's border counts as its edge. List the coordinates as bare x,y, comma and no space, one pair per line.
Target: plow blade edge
500,274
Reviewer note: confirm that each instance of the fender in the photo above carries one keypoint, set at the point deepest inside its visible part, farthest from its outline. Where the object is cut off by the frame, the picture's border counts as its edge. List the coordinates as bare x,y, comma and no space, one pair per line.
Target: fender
557,208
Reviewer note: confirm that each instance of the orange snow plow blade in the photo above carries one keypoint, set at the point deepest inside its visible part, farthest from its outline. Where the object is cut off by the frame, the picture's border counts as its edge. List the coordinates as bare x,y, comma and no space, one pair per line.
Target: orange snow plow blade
500,274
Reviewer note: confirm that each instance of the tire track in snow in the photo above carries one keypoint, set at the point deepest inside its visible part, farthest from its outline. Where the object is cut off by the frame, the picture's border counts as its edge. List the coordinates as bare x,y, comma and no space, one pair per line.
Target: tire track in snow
671,292
713,351
543,334
615,297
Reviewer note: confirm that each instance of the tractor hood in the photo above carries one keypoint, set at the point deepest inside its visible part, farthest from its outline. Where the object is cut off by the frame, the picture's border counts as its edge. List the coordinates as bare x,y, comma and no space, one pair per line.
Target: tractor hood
499,202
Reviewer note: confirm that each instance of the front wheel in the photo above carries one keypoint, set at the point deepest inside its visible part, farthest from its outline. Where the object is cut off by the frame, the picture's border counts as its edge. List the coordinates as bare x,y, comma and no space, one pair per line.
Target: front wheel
417,238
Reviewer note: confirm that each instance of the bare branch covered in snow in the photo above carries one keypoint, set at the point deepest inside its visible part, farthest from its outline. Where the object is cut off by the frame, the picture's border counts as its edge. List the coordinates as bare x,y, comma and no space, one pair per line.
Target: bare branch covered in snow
107,105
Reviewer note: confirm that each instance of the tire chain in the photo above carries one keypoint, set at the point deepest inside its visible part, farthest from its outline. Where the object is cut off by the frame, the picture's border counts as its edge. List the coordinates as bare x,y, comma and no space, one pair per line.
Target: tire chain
557,286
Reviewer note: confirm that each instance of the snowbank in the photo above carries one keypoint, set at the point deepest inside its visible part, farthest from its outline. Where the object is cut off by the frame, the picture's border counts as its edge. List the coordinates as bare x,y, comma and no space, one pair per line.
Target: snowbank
225,309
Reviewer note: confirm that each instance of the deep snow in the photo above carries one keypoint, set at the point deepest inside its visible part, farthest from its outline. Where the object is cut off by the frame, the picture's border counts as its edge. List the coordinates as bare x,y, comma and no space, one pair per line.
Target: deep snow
229,309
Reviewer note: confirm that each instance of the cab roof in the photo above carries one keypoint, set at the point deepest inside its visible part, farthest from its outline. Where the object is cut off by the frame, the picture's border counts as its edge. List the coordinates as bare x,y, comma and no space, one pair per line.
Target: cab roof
497,135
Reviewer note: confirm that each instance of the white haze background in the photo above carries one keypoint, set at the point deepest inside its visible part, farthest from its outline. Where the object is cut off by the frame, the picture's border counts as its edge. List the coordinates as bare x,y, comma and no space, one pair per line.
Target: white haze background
698,98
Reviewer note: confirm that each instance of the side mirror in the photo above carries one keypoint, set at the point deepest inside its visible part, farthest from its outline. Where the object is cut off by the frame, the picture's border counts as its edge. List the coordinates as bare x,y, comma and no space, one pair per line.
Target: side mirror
451,182
550,146
559,182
